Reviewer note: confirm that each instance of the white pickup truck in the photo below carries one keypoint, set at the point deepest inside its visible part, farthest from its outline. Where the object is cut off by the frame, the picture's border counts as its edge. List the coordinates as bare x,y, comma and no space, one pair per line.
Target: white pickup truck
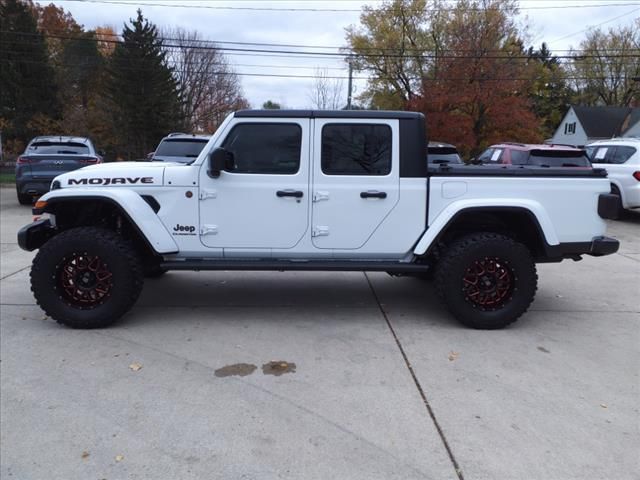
316,191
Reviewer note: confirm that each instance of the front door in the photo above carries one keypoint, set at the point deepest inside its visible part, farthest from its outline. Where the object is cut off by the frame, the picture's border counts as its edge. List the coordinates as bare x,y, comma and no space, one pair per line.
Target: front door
263,203
356,180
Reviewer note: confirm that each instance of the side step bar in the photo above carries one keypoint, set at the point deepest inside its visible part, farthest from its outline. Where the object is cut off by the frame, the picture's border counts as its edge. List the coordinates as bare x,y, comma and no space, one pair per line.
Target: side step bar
295,265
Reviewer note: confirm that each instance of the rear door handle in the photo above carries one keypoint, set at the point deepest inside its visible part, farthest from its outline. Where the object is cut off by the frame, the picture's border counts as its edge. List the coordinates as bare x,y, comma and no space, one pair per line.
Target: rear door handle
372,194
290,193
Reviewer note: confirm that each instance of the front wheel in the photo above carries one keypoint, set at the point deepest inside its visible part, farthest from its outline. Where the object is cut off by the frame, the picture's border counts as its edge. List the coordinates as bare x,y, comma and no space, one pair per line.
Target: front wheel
486,280
86,277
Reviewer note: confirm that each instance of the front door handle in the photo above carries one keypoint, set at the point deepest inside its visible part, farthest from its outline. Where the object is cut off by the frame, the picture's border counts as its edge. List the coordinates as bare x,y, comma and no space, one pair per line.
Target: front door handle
290,193
372,194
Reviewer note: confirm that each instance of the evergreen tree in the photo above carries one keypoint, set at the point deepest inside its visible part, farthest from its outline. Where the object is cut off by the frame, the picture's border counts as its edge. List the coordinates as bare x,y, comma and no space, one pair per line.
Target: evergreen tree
27,81
550,95
142,90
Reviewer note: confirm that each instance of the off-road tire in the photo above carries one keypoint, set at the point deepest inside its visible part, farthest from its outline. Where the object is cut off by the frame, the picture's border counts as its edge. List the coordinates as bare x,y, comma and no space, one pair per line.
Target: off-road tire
153,270
118,258
512,258
24,199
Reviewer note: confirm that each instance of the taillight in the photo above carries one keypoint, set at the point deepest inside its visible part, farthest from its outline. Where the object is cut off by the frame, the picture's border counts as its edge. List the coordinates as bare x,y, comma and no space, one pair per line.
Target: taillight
23,160
90,160
636,175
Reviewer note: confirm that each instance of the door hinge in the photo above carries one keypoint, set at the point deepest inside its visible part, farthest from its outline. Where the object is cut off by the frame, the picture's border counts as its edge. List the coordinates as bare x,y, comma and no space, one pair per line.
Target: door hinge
204,194
208,230
320,195
320,231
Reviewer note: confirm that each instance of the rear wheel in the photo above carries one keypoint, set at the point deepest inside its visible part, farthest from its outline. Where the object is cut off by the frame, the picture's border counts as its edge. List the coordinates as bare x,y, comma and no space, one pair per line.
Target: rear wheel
486,280
24,199
86,277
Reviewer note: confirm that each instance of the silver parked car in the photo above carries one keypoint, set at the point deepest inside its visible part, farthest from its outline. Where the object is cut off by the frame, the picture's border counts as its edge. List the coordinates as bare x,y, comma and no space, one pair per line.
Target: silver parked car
179,147
47,157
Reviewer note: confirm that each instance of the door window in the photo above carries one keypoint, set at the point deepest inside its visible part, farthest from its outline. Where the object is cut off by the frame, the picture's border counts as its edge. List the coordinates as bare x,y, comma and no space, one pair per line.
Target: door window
265,148
356,149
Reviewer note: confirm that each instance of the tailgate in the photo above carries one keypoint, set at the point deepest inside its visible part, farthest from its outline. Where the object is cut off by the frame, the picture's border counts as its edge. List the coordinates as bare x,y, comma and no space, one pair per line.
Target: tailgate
47,167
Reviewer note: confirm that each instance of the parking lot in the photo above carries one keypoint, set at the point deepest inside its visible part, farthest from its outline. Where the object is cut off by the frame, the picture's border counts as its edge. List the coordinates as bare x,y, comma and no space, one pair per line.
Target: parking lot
372,378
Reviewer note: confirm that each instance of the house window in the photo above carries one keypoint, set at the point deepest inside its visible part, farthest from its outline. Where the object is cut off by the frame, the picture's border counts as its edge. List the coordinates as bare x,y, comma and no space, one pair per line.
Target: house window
570,128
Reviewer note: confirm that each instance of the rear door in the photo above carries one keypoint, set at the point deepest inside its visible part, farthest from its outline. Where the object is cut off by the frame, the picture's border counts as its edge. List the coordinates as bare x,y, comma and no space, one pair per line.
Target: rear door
355,180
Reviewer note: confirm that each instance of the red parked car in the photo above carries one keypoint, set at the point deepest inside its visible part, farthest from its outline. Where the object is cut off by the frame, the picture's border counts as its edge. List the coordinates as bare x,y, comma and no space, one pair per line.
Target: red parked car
541,155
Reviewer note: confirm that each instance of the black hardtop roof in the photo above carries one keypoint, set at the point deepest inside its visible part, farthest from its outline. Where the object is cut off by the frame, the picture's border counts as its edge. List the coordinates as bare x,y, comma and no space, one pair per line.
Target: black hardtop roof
384,114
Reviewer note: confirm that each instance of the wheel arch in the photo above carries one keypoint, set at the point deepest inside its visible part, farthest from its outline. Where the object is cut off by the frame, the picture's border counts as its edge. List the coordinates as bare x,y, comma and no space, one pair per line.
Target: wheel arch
73,208
517,222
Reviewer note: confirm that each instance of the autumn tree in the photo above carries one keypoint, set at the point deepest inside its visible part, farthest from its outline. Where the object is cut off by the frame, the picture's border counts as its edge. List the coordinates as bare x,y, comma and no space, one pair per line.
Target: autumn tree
606,66
390,45
28,91
106,38
141,89
326,92
478,94
58,26
209,88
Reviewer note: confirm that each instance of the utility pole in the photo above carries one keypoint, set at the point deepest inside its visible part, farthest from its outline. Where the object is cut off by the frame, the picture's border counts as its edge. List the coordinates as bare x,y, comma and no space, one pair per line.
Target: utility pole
350,87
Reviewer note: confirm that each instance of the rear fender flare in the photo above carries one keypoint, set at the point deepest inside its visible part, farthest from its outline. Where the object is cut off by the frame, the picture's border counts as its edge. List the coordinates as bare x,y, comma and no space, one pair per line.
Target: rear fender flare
447,216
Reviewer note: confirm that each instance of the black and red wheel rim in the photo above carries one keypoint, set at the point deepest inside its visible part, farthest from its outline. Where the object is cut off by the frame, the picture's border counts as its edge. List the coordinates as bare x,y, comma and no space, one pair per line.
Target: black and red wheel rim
84,281
488,283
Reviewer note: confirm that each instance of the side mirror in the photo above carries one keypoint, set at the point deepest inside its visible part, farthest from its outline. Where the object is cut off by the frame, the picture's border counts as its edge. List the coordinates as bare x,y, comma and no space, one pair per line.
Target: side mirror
219,160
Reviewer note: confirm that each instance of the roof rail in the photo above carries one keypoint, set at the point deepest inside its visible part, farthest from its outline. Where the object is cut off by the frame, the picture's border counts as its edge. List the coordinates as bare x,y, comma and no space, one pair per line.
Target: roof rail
173,134
514,143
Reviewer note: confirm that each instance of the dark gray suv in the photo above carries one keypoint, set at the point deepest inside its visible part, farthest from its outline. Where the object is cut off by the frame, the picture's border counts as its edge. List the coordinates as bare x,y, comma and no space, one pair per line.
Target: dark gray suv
47,157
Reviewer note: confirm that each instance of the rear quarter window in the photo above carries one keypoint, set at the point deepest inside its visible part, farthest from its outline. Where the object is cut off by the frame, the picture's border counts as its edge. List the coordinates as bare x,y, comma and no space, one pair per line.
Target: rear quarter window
622,154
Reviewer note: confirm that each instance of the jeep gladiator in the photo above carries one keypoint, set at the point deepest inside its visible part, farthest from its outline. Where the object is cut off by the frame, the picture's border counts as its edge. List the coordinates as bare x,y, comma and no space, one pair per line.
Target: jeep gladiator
316,191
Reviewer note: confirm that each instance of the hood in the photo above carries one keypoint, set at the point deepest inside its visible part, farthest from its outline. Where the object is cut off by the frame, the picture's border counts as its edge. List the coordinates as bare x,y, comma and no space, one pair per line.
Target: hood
117,174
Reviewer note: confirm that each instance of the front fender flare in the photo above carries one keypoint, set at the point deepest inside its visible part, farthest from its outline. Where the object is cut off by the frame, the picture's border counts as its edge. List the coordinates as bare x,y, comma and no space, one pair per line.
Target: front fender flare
130,203
440,223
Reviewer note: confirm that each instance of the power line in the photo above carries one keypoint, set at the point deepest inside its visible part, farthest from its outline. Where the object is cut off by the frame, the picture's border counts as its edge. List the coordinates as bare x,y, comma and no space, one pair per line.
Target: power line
294,53
330,10
593,26
246,74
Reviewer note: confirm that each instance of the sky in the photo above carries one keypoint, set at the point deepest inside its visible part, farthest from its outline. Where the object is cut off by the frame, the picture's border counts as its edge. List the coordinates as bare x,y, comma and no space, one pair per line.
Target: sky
561,28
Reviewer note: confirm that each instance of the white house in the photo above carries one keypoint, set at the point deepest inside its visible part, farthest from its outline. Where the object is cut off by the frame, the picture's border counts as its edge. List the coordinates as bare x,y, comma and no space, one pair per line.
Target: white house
582,125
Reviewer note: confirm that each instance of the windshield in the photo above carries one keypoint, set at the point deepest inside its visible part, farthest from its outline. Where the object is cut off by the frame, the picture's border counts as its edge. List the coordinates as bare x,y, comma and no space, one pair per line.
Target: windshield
443,155
550,158
187,149
58,148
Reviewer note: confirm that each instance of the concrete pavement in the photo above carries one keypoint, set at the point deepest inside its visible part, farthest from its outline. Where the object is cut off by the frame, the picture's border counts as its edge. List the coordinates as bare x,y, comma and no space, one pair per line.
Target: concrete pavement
386,385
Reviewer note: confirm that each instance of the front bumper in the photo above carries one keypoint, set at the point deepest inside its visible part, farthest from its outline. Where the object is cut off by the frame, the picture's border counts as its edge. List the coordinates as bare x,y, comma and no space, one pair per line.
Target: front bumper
35,234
